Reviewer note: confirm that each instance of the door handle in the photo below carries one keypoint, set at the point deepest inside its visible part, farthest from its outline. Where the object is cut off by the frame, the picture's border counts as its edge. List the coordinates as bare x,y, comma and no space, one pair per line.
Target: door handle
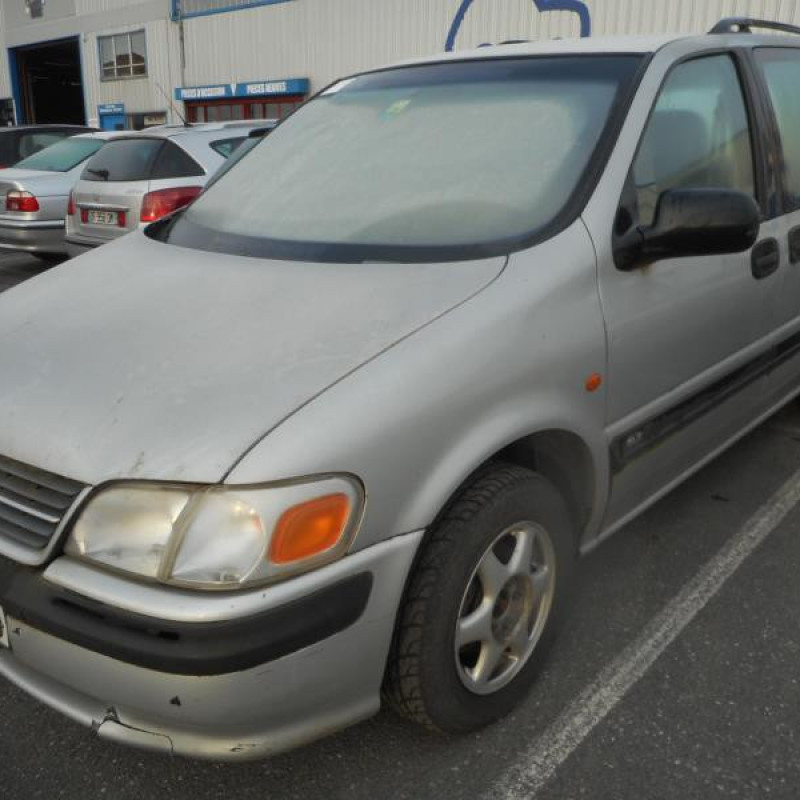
765,259
794,245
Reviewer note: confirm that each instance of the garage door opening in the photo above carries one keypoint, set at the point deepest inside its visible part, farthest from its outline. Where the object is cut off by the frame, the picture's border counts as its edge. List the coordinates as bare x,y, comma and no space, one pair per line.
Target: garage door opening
50,82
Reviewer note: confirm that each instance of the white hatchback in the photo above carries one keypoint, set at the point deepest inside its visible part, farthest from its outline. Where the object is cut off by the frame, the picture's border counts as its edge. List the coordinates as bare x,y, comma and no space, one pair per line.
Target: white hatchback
144,176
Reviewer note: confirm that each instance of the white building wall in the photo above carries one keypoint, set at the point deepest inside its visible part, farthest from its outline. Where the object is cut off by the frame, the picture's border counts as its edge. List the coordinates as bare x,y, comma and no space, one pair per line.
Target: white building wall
682,16
89,19
324,39
5,80
317,39
138,94
83,7
64,18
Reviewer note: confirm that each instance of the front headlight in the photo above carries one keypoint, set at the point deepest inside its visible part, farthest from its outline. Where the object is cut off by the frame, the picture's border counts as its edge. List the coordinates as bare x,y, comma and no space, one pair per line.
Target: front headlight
218,537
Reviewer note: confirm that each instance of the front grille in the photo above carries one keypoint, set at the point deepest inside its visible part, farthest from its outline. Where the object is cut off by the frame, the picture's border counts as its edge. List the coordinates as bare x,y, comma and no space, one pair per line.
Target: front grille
33,502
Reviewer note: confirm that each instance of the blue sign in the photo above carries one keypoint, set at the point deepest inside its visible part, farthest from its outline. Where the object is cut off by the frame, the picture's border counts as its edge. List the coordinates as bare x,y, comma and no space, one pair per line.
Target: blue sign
579,7
111,108
224,91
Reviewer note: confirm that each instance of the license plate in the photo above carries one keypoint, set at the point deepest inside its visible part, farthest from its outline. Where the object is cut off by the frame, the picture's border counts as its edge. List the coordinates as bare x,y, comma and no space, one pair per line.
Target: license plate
103,217
3,630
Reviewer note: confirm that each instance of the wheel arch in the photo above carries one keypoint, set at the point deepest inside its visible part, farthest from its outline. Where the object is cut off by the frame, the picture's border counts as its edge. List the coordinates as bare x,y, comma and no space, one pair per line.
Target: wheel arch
565,459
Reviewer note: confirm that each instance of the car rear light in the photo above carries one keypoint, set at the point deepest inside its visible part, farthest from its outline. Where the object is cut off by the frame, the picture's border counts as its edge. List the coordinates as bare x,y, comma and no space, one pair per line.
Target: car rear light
71,205
21,201
158,204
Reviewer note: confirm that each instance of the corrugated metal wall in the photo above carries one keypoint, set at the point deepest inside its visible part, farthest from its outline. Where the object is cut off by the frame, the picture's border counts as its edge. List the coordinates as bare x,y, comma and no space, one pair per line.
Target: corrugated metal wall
323,39
163,71
83,7
5,82
682,16
319,39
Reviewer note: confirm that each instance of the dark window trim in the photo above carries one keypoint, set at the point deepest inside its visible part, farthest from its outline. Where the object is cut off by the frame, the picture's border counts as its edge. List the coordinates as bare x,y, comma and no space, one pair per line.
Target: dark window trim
766,190
738,57
200,238
129,34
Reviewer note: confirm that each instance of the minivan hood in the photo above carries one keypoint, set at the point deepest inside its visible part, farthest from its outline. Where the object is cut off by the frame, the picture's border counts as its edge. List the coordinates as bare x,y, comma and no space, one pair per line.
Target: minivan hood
145,360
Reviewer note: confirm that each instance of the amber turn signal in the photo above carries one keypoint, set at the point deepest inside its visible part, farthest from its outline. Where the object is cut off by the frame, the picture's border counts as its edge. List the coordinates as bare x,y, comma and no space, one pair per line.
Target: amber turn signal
309,529
594,382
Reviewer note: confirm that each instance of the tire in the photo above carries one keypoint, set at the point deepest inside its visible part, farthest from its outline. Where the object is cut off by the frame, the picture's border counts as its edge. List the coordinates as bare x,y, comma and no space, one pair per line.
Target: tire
429,680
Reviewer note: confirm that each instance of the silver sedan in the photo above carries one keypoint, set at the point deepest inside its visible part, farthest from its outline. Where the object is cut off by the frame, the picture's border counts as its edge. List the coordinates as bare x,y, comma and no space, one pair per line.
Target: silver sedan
35,193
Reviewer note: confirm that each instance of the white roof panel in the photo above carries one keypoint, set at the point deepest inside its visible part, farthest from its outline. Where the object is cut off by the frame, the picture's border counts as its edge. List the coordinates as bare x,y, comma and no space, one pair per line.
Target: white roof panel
593,44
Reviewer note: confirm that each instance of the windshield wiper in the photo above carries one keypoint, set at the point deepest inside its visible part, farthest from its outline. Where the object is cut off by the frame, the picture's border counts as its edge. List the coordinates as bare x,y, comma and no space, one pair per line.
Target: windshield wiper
101,173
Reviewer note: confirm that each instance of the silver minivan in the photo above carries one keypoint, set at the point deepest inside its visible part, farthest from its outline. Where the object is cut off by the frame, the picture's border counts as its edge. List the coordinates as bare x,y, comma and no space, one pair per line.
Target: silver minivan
336,433
145,176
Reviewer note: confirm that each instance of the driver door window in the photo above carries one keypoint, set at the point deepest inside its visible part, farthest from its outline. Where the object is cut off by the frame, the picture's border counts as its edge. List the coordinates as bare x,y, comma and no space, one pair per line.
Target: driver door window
698,136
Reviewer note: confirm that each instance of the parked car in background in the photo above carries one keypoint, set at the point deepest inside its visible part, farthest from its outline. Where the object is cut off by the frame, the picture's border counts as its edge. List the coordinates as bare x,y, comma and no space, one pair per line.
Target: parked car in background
141,177
25,140
34,195
255,135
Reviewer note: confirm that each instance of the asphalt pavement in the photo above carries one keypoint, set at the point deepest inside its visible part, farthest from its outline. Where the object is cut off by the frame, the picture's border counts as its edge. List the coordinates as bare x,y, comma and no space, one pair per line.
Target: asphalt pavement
16,268
677,676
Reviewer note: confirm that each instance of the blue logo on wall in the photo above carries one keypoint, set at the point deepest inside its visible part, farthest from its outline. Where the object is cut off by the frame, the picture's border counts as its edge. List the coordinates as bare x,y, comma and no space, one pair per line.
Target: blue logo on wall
577,6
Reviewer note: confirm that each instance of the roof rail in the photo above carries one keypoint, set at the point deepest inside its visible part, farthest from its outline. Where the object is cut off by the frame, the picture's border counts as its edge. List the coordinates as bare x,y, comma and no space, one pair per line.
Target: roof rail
746,24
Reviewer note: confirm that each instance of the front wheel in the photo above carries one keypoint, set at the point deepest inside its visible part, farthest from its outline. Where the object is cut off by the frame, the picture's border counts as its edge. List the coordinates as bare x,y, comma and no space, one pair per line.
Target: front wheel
483,604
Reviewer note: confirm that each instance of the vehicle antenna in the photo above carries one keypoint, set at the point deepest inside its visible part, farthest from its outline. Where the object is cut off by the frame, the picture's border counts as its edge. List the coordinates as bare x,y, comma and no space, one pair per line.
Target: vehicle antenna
174,107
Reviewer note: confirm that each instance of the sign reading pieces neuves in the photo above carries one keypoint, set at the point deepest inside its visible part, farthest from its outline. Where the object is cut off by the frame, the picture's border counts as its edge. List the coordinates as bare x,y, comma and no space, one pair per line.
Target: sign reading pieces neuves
223,91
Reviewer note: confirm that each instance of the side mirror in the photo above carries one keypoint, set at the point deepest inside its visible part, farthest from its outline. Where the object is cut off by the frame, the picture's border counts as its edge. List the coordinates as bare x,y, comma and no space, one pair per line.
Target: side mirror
691,222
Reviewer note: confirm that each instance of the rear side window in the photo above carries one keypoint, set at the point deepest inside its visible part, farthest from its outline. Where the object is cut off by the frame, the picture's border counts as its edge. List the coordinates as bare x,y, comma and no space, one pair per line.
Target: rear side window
62,156
123,160
174,162
225,147
781,68
698,135
30,143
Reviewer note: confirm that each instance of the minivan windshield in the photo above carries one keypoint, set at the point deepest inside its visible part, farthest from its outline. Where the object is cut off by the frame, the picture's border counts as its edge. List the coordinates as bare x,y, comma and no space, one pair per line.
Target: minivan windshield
62,156
430,162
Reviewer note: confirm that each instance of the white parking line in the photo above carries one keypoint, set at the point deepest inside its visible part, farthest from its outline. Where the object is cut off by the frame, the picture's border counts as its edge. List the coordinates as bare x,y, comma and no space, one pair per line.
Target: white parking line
552,748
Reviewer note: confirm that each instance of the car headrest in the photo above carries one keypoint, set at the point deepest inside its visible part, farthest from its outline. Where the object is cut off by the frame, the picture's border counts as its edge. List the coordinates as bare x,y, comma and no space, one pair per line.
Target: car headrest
677,142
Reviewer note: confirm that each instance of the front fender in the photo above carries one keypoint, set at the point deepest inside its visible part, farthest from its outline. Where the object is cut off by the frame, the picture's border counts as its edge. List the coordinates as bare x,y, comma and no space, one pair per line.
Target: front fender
414,423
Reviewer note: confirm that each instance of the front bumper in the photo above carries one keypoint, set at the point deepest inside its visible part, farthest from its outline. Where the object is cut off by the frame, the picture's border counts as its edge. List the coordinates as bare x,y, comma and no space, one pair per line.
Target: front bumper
46,237
293,695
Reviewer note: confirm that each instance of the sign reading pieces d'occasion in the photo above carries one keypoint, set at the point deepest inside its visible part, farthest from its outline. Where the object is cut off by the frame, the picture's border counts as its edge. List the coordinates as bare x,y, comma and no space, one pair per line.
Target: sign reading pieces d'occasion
223,91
